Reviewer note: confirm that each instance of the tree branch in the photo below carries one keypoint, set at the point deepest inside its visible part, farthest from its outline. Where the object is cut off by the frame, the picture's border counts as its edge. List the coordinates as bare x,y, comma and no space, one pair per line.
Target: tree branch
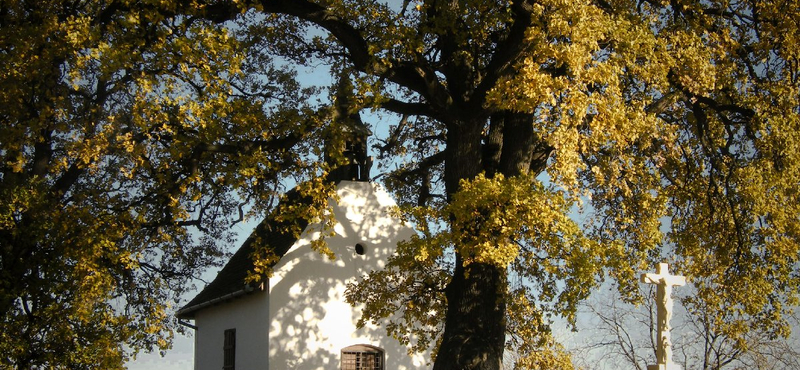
408,108
508,50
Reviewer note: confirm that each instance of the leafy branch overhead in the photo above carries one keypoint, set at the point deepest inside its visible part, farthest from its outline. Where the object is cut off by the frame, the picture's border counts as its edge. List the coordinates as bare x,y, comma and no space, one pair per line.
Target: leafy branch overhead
538,146
131,141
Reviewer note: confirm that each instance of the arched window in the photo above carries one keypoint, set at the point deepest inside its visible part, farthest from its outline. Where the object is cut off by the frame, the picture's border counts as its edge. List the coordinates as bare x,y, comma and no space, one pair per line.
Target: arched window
362,357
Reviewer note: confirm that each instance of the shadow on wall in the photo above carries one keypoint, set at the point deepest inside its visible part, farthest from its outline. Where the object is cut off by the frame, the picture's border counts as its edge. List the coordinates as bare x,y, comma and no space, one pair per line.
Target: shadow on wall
310,320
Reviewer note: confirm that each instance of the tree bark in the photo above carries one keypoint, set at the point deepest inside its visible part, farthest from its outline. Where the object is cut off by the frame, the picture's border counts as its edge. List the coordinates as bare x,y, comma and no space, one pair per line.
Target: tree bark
475,326
474,333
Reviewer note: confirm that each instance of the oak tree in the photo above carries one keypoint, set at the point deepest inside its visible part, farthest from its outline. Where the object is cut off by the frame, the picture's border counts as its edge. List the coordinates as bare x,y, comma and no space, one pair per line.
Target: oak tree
673,124
131,139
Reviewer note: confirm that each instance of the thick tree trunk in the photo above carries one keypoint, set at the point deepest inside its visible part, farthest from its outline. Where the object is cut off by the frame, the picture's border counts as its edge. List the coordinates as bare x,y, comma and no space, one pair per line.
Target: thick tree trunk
475,325
474,334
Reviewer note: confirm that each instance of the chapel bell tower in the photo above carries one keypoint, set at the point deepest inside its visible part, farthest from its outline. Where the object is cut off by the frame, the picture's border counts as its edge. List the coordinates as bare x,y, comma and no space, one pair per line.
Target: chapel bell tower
351,138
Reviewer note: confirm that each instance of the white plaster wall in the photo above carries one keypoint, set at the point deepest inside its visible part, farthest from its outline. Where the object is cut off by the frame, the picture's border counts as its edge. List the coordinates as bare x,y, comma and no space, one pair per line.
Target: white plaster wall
310,320
247,314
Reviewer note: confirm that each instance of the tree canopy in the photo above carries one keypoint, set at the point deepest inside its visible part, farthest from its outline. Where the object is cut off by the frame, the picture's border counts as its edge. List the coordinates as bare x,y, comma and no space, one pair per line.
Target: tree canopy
671,125
123,168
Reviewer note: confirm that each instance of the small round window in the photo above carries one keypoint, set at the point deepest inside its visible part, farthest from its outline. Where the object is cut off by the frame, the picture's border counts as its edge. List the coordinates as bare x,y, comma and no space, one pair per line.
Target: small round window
360,249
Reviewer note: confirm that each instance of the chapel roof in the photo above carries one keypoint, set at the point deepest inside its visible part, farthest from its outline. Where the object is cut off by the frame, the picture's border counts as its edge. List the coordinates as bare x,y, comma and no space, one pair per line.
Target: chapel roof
230,282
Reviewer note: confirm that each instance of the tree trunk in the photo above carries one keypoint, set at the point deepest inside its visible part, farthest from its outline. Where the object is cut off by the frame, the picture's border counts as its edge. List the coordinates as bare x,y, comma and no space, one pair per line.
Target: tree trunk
475,325
474,333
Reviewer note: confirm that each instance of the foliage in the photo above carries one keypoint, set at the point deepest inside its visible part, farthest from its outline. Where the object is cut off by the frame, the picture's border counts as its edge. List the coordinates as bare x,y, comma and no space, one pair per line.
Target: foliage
671,125
131,140
673,121
542,246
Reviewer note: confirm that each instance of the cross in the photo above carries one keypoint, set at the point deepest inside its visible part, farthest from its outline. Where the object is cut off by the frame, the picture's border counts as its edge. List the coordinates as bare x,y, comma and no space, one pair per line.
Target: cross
664,282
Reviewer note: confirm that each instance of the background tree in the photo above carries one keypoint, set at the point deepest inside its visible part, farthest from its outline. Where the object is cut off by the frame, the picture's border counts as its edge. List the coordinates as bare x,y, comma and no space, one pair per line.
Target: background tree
616,334
131,139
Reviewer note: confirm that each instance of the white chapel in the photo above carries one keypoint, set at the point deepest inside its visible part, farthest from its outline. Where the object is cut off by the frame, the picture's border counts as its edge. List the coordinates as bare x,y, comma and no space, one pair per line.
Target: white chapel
298,318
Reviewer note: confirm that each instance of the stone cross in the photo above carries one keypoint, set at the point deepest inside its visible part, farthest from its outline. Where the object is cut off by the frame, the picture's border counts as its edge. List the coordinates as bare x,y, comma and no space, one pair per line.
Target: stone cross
664,282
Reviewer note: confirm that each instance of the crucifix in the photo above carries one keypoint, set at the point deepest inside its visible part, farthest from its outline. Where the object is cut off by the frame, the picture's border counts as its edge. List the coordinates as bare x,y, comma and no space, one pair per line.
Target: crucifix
664,283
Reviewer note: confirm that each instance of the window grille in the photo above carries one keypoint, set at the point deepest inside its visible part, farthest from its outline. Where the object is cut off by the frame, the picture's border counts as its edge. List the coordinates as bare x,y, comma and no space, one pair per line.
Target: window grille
229,350
362,357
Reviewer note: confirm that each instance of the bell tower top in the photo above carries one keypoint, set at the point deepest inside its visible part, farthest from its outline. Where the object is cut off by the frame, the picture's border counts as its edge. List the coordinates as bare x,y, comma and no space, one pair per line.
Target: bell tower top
352,137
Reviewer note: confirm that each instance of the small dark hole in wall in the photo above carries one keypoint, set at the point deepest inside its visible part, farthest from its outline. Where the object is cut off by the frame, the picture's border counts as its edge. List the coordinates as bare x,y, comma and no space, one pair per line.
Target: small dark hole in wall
360,249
